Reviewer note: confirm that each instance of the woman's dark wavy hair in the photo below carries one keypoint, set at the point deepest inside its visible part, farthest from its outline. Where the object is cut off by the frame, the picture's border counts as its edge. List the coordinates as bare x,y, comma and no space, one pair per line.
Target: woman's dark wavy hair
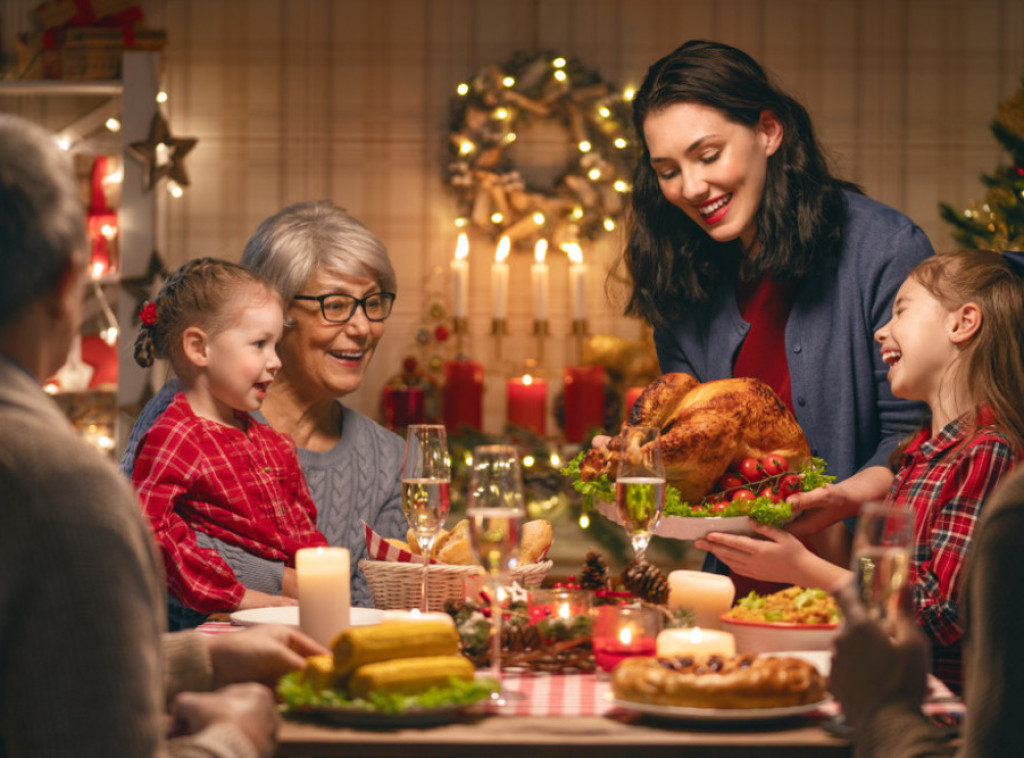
675,265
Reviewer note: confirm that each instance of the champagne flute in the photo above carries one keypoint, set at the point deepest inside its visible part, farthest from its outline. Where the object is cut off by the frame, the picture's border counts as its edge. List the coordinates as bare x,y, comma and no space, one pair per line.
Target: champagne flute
426,477
640,484
882,543
495,512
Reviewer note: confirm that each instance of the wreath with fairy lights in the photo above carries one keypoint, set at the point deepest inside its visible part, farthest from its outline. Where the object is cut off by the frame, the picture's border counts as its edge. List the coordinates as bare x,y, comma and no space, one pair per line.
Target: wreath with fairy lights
588,196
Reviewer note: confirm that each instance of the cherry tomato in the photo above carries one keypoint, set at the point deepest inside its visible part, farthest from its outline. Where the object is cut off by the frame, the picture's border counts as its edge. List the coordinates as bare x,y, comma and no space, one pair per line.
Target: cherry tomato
771,493
719,507
774,464
743,494
788,485
731,481
751,470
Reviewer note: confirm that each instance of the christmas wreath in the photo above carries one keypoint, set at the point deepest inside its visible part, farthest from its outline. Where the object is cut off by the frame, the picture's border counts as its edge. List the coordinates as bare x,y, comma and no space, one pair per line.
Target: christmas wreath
587,197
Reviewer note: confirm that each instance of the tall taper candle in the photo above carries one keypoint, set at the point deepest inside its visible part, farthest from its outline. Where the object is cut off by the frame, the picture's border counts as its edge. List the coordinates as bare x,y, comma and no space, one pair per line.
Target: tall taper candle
539,279
499,279
460,277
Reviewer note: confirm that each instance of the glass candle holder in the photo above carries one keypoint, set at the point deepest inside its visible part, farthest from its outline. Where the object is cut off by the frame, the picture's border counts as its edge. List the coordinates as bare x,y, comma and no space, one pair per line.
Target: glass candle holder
558,604
621,632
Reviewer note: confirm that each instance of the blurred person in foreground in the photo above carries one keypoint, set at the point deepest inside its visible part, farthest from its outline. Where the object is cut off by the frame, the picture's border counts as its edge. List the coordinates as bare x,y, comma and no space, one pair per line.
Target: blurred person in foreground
84,670
880,680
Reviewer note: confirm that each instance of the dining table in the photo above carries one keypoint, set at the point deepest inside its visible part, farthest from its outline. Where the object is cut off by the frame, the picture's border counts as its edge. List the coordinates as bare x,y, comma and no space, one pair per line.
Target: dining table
553,714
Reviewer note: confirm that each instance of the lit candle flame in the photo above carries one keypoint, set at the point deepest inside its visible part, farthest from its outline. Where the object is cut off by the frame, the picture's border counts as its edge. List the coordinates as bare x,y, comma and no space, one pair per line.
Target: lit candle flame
696,635
527,379
540,250
504,245
462,247
563,611
574,252
626,635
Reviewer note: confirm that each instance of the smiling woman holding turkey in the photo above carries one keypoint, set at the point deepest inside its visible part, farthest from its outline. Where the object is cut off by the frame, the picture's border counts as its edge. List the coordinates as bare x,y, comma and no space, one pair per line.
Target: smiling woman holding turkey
750,259
338,282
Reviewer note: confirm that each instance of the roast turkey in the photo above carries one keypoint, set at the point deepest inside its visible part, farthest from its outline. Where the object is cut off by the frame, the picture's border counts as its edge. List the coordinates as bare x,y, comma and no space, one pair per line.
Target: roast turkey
706,428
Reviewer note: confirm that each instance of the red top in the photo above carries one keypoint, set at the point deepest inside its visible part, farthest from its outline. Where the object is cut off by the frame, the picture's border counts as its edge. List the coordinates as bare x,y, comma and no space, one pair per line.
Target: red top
242,487
765,305
946,479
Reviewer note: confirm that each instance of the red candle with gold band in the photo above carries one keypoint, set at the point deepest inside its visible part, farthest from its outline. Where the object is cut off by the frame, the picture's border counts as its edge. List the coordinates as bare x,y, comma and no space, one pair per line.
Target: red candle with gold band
527,403
584,400
463,395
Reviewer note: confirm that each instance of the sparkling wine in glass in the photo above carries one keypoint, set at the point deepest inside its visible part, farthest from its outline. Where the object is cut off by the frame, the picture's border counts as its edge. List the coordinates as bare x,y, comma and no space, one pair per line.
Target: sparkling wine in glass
882,543
426,478
640,484
495,512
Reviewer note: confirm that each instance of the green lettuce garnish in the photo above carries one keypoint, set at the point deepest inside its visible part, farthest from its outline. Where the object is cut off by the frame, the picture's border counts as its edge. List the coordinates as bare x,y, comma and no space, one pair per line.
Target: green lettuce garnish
298,695
761,509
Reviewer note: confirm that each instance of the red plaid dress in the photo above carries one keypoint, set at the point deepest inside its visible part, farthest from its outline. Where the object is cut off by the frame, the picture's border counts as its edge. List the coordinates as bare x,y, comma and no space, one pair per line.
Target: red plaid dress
946,479
243,487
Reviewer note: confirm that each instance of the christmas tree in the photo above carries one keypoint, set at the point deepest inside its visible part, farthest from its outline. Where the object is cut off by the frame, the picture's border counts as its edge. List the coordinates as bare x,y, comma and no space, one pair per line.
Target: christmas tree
997,223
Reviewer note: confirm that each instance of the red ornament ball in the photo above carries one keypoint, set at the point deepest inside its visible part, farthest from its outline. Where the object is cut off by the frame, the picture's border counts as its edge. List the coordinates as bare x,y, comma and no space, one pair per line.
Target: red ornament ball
441,333
409,365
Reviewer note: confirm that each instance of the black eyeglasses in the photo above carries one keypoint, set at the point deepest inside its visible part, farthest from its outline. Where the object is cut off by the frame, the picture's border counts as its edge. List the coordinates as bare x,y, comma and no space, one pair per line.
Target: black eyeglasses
338,308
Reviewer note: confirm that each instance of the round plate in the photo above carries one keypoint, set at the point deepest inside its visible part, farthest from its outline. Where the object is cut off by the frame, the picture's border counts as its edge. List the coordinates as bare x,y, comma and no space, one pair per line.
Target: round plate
371,719
681,713
289,616
690,527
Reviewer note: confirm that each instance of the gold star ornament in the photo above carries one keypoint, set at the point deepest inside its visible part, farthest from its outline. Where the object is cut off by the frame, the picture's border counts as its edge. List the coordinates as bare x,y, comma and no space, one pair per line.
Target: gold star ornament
161,154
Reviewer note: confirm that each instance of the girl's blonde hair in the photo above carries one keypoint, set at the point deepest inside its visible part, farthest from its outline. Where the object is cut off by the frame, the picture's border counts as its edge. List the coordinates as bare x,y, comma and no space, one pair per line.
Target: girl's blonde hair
205,292
993,360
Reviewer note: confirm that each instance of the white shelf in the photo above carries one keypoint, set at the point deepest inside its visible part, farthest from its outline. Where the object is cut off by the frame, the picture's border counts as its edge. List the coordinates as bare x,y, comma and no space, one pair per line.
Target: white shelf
57,87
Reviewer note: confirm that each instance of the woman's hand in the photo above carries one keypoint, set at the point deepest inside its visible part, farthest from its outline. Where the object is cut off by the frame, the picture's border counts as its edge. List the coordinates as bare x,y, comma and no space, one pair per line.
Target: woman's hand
774,556
261,654
869,667
257,599
250,707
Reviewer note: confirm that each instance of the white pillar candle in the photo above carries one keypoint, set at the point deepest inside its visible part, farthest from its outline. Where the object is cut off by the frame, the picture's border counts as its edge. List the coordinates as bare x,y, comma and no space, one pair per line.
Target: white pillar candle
499,278
695,641
323,578
709,595
460,277
401,617
539,280
577,281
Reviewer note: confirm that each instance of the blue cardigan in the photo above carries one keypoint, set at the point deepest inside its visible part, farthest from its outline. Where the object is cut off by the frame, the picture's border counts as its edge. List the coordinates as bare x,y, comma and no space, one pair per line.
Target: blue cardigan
841,397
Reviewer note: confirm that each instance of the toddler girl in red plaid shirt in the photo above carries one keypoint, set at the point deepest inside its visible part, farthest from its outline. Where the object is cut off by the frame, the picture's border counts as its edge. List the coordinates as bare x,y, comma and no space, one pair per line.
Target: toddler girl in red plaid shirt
206,466
956,342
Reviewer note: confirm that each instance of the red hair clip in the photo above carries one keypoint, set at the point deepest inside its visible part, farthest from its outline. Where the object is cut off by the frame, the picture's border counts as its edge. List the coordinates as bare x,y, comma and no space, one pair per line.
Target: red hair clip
147,315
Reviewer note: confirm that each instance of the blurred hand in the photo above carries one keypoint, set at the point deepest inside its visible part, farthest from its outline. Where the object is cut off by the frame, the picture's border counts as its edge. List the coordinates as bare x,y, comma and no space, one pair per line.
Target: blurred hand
261,654
250,707
257,599
600,441
869,667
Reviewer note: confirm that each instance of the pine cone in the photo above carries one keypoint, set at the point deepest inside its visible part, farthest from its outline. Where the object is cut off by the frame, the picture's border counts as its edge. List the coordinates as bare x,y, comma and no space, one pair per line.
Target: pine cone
595,572
515,638
646,581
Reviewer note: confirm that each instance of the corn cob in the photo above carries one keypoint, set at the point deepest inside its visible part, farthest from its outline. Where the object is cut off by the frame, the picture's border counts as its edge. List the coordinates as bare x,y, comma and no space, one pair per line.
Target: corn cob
360,645
408,675
319,672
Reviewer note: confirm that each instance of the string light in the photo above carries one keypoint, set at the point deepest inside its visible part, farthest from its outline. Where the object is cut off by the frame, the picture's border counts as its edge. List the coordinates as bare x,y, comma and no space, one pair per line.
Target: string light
594,174
585,146
497,218
463,89
561,75
538,218
509,81
112,125
161,97
609,225
558,63
174,189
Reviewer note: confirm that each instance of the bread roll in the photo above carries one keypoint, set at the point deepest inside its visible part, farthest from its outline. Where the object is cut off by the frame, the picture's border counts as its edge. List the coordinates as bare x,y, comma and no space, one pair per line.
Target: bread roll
534,541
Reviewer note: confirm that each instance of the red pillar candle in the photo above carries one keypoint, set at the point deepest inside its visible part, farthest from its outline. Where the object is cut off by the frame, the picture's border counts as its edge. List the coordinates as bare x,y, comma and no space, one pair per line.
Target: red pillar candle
584,400
527,403
404,405
631,397
463,395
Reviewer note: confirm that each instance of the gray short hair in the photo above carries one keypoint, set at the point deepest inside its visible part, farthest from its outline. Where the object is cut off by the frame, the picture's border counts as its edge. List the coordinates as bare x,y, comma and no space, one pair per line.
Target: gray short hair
313,237
42,220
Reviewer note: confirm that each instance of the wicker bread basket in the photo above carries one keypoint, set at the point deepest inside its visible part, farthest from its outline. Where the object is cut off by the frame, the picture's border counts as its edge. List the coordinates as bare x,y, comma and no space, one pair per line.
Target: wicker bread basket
399,585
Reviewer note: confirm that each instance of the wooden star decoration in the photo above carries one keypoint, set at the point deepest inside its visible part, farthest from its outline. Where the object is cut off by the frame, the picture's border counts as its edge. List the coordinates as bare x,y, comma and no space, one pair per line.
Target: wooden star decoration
147,152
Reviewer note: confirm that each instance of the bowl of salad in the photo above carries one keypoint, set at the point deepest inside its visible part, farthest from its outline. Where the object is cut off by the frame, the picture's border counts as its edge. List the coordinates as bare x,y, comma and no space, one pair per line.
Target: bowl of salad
795,618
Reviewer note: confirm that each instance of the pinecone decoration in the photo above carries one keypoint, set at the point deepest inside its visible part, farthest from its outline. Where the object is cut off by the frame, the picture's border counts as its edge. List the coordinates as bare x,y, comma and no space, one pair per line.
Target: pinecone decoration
594,575
516,638
646,581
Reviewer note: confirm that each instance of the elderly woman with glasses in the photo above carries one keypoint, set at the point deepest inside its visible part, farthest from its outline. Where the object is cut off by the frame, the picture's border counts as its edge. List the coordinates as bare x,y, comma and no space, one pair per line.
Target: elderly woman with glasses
339,286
